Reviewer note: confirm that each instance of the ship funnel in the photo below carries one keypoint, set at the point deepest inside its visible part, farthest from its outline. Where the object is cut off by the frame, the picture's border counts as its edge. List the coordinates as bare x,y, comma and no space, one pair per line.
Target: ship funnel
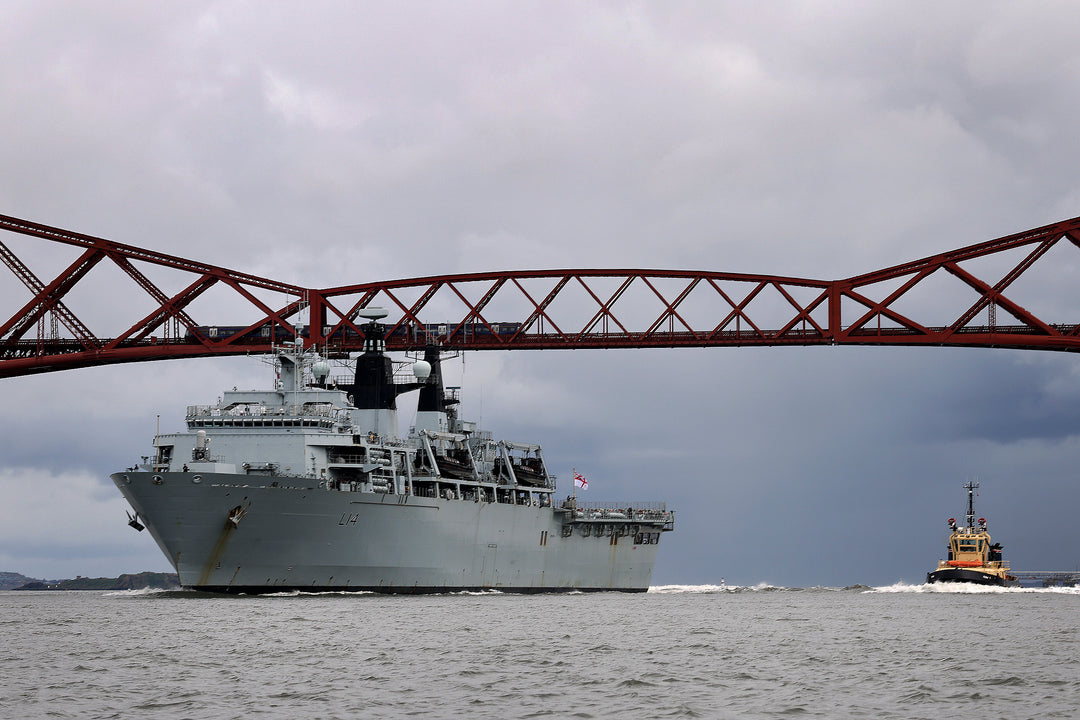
432,394
373,384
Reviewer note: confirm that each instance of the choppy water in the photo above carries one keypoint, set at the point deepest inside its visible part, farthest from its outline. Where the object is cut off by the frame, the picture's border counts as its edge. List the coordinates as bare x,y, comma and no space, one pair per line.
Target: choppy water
675,652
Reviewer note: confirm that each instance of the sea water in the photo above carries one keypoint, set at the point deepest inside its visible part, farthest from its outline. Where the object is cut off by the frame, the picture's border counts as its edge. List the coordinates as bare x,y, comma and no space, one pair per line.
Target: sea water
923,651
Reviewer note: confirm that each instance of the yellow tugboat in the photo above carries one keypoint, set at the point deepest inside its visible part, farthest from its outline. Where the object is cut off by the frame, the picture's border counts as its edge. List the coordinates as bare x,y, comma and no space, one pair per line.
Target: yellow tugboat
972,559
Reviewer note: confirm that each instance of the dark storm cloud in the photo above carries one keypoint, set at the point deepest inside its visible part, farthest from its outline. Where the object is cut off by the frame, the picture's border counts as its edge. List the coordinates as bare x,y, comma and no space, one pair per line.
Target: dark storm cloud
1006,404
332,144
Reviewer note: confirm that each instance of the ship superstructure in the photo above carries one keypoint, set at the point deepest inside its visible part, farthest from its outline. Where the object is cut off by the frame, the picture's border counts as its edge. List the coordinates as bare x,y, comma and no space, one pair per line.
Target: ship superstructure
972,558
309,486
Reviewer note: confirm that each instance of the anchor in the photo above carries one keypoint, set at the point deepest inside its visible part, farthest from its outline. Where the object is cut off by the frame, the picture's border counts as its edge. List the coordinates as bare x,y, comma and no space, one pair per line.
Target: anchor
133,521
237,514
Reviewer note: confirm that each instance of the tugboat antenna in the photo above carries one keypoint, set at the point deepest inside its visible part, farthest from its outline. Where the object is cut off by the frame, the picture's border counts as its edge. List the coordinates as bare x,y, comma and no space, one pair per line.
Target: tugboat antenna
971,487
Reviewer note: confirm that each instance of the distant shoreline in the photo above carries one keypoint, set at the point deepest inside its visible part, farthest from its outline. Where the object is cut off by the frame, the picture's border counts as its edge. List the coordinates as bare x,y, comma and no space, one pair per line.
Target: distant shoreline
135,581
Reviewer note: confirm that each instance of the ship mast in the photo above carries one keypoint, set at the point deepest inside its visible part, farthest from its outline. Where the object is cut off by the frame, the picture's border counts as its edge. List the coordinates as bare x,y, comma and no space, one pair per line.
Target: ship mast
971,488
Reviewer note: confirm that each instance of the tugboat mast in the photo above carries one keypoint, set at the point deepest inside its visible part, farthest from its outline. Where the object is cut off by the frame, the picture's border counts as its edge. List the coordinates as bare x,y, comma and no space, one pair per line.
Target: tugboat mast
971,487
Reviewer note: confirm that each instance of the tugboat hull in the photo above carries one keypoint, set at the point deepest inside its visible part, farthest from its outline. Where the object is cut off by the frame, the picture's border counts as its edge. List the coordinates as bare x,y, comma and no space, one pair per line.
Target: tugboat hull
967,575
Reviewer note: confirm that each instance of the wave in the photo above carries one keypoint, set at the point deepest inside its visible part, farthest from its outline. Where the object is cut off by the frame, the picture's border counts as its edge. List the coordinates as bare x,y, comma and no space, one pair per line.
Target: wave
312,593
705,589
899,587
676,589
970,589
145,591
714,589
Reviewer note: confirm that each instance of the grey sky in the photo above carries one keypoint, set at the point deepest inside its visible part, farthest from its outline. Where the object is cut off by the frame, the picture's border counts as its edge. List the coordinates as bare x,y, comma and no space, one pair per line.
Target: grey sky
338,143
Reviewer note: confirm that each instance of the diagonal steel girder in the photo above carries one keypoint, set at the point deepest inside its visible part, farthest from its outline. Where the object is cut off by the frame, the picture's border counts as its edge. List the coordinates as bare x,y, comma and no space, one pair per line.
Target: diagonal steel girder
609,321
48,298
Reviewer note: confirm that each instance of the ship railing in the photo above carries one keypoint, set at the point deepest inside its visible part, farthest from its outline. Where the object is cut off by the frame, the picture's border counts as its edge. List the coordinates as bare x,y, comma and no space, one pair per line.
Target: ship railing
260,411
621,506
347,458
208,459
623,512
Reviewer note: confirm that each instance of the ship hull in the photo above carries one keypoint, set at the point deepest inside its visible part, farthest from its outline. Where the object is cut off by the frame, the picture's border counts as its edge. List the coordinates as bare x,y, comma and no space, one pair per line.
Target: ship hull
968,575
289,534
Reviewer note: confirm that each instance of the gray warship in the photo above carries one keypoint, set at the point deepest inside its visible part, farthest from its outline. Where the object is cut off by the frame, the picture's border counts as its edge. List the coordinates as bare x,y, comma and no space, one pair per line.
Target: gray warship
308,487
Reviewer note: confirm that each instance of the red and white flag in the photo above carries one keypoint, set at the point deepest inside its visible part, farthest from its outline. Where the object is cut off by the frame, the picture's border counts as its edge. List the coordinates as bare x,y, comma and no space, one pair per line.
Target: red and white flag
580,481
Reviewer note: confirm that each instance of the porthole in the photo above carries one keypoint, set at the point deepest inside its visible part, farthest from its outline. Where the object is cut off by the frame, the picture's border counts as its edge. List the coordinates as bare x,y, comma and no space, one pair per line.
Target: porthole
158,480
196,479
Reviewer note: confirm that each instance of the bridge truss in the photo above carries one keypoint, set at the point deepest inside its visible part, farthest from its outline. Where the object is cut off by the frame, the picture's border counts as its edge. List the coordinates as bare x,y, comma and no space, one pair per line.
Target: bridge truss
153,306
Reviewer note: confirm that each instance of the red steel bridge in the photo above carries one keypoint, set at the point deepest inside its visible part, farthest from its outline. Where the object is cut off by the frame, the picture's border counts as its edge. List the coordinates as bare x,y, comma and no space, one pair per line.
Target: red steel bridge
106,302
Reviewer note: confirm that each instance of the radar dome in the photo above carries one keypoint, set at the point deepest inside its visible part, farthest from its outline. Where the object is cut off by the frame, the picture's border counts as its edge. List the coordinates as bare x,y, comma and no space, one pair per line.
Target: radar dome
421,369
372,313
320,370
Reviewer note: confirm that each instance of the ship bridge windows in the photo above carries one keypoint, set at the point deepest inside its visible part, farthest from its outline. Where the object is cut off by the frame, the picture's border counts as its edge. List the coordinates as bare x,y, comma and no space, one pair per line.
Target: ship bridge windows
319,414
260,422
969,545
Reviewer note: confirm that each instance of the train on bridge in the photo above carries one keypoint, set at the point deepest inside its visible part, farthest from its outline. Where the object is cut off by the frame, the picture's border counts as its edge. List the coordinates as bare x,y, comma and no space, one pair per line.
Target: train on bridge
434,333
